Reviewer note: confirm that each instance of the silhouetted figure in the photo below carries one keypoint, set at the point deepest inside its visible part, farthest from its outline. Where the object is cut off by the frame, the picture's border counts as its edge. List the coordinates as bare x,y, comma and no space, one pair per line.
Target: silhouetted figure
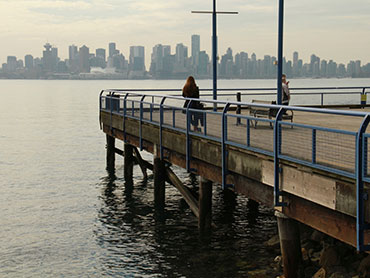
191,90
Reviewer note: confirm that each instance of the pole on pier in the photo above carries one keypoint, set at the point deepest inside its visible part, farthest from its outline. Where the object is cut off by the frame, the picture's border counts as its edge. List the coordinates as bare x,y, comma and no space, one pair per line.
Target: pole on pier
128,163
214,13
290,245
205,205
159,172
214,53
111,151
280,52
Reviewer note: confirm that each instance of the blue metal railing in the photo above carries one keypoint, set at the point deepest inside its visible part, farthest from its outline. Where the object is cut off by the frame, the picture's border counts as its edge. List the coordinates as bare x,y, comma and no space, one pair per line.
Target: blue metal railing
134,105
321,94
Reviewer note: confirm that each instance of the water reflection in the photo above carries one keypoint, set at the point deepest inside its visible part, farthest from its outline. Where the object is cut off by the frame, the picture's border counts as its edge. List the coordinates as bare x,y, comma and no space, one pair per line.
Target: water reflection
137,240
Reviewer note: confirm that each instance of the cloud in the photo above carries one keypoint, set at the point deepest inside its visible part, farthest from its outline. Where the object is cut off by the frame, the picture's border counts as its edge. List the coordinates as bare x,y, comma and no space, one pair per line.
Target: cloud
147,22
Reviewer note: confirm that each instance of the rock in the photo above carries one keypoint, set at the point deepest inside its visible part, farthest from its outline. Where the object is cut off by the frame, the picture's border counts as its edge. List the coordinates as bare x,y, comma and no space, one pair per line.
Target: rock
329,257
320,274
260,273
340,275
364,268
305,256
317,236
273,242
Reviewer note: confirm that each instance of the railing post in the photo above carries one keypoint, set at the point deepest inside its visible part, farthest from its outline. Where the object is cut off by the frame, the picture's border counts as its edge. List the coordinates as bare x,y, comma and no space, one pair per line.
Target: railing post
248,133
363,98
161,128
322,99
141,124
277,150
313,146
223,145
238,108
360,196
124,117
188,145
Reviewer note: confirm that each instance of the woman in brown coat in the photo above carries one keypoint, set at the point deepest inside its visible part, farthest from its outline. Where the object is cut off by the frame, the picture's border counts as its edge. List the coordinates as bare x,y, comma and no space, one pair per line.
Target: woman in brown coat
191,90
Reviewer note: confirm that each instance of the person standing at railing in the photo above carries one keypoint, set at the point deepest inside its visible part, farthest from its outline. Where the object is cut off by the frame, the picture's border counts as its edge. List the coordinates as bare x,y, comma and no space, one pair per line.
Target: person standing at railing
286,91
191,90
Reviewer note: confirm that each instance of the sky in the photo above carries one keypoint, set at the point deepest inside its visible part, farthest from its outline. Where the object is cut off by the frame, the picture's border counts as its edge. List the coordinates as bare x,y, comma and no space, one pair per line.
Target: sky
331,29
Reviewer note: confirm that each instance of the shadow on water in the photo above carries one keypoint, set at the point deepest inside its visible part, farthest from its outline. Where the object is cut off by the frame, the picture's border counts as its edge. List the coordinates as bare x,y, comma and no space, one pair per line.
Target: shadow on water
137,240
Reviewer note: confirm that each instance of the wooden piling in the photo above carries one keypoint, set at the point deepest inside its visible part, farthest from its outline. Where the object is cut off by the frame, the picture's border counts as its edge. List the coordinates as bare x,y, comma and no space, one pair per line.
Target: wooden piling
128,162
290,245
159,172
110,152
205,205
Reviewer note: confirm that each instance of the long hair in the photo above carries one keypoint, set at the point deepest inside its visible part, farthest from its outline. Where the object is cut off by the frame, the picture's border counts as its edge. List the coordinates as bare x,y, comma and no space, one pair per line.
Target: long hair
190,87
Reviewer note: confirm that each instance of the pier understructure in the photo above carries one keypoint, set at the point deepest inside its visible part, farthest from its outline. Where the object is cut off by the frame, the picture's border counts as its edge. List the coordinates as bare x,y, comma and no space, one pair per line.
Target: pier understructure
312,169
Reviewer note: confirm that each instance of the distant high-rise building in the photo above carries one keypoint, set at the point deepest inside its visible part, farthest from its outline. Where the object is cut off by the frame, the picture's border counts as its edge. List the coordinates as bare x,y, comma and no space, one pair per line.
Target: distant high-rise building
11,64
47,58
28,61
84,56
295,58
156,60
295,70
73,52
112,49
137,58
166,50
195,49
73,61
100,52
203,63
181,55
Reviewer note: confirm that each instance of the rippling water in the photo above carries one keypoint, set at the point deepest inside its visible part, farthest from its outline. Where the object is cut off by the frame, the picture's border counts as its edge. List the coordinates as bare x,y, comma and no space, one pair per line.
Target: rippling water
64,215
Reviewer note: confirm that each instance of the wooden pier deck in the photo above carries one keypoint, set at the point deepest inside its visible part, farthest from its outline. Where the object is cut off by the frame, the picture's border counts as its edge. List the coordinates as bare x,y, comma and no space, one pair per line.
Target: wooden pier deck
322,200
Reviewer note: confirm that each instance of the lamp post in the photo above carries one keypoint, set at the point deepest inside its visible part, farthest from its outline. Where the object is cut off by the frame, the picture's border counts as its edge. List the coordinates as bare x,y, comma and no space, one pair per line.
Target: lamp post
280,52
214,45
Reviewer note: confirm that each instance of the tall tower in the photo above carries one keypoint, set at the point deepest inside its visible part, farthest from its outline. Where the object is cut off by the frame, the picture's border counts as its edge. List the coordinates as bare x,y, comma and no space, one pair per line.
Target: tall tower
137,58
47,58
195,49
112,49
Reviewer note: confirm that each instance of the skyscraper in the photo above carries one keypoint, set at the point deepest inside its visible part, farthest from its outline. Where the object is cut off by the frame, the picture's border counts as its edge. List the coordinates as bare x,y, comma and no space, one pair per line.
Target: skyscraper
73,52
11,64
47,58
181,55
28,60
195,49
137,58
100,53
112,49
84,56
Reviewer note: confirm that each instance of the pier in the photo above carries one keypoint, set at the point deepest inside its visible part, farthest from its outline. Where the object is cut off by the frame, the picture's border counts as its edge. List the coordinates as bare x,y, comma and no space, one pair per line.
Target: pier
313,170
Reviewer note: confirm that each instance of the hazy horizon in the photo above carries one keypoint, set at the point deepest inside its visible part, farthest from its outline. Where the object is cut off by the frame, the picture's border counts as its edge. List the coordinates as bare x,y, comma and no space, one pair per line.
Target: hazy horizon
331,29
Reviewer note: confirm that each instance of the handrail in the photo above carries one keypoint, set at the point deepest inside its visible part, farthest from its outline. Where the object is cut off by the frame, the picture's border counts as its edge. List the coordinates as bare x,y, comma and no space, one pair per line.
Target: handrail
357,171
249,104
270,91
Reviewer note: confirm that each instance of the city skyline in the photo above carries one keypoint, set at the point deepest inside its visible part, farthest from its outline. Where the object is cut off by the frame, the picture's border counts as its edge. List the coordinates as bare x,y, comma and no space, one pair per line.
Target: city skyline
170,63
338,30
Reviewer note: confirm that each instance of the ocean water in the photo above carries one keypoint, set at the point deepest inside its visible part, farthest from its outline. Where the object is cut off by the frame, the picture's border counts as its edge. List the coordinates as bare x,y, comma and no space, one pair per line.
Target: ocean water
63,215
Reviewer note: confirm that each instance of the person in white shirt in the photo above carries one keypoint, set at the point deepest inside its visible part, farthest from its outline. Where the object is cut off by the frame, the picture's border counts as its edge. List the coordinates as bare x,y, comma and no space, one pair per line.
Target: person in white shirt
286,92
